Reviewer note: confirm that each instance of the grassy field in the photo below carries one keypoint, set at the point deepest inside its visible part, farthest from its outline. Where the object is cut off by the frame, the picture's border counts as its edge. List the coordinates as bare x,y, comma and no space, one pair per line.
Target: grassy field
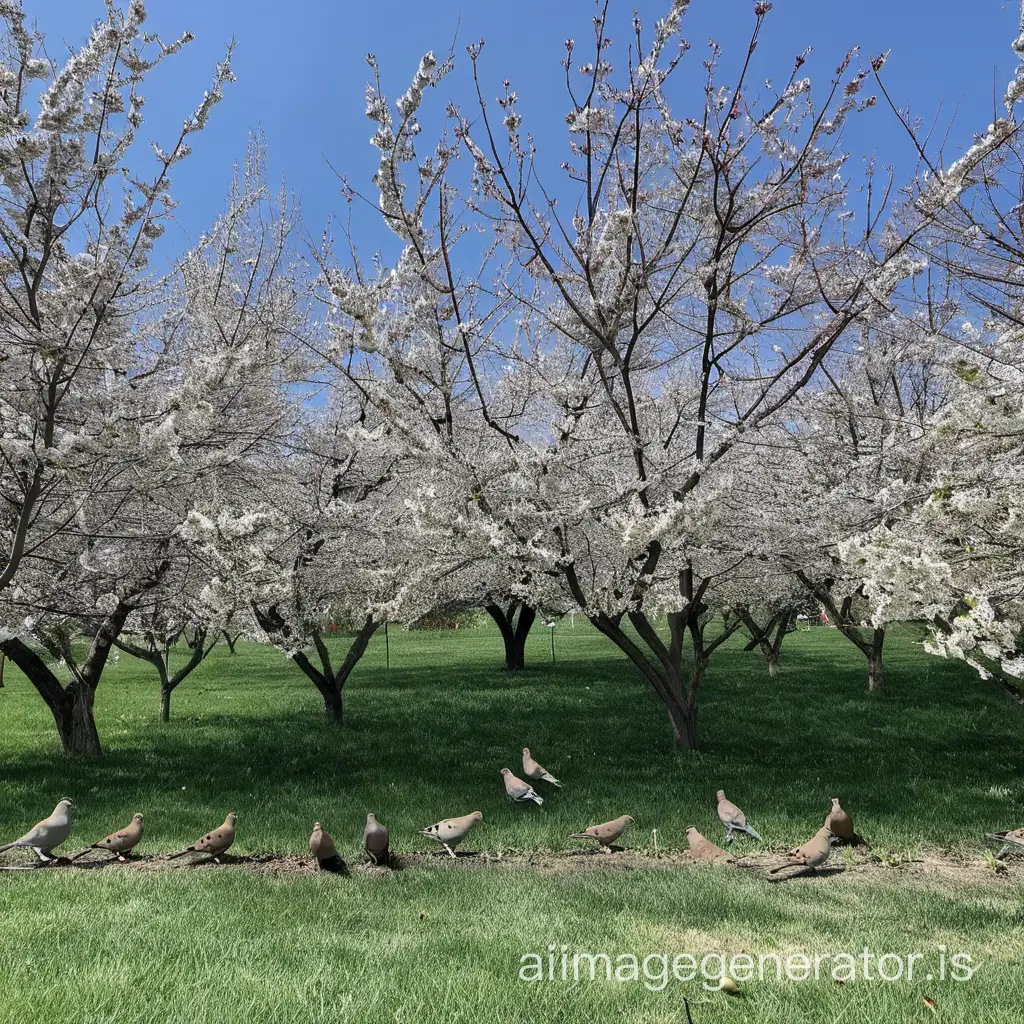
929,766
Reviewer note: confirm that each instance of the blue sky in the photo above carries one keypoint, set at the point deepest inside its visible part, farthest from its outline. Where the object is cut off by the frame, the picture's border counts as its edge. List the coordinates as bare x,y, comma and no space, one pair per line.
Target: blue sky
301,73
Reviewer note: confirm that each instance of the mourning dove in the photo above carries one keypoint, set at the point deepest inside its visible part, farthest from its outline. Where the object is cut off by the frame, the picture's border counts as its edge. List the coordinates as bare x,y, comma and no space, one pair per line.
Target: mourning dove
812,854
704,849
450,832
214,843
520,791
532,770
47,834
376,840
607,833
321,846
120,843
733,818
1009,837
841,824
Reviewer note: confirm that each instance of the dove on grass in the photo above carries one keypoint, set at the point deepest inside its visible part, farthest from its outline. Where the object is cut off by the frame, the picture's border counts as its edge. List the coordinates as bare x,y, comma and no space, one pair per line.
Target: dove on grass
606,833
704,849
321,846
537,772
519,791
812,854
376,841
1009,838
733,819
841,825
451,831
1015,836
47,834
119,843
215,843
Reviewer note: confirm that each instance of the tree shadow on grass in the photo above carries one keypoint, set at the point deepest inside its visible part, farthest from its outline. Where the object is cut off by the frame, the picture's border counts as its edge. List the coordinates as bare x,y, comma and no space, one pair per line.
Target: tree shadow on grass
932,758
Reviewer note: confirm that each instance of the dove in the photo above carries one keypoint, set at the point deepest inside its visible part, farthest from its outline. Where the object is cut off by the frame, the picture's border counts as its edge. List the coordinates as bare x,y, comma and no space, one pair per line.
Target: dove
214,843
1015,836
518,790
321,846
532,770
607,833
119,843
812,854
451,831
48,833
1009,837
704,849
841,824
733,819
376,839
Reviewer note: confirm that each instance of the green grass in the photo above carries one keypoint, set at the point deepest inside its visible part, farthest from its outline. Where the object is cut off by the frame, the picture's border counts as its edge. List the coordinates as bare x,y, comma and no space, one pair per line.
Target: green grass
932,764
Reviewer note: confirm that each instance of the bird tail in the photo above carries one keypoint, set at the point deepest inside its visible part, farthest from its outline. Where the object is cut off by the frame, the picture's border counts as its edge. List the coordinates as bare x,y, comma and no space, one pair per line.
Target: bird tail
82,853
548,777
750,832
181,853
580,835
9,846
1003,837
788,864
536,798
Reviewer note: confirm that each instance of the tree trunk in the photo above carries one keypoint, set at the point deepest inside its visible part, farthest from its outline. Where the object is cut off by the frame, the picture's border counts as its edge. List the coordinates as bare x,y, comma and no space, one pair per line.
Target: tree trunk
328,682
513,633
841,613
76,724
876,665
166,689
161,661
684,724
333,704
769,639
71,706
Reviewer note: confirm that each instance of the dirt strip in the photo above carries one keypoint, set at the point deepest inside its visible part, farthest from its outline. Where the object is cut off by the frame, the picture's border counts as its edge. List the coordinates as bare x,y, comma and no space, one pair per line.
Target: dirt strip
861,867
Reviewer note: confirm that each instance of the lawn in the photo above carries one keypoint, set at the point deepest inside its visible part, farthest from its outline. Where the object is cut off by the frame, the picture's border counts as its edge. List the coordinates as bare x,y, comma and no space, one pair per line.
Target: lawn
926,769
